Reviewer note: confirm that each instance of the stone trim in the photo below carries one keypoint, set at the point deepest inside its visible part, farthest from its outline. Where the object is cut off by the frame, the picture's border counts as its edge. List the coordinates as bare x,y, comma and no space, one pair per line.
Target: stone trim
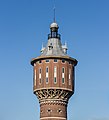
54,102
59,118
53,57
53,88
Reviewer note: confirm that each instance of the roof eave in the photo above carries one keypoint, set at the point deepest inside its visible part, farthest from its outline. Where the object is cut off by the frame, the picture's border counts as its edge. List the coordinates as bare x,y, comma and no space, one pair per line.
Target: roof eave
51,57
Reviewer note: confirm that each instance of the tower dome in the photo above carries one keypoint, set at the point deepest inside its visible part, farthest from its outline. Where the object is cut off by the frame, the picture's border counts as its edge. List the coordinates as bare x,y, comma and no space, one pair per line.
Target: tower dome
54,25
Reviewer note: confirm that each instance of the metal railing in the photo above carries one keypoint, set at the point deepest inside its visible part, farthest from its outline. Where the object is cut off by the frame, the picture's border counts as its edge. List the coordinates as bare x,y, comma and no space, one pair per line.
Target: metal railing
54,36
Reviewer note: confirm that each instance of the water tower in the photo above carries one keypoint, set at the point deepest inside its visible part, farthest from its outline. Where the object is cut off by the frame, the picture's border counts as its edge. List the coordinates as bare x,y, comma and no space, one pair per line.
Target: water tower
53,77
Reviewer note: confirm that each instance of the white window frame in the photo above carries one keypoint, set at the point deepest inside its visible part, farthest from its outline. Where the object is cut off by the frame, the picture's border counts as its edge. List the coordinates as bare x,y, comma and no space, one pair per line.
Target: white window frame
63,75
55,74
35,77
69,76
40,75
47,74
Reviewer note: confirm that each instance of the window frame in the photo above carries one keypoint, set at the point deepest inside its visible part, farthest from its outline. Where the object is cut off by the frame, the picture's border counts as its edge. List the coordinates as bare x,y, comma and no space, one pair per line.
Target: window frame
47,75
56,60
55,74
63,69
63,75
47,80
47,70
63,61
47,60
63,80
40,70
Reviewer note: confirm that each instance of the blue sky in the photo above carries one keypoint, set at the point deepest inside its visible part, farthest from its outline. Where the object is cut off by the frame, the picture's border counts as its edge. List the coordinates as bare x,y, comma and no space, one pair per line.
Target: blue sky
84,25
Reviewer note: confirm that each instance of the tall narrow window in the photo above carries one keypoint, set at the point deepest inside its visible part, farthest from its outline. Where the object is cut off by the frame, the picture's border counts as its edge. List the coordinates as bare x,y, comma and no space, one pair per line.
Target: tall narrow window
40,80
63,75
63,80
47,75
40,75
46,79
63,70
46,69
35,77
55,74
40,70
69,76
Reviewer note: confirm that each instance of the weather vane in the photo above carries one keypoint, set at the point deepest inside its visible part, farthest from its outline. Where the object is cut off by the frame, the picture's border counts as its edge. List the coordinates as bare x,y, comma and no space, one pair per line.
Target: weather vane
54,12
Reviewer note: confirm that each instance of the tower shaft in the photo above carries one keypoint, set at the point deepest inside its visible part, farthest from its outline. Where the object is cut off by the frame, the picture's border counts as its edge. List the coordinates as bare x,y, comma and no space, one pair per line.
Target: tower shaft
57,110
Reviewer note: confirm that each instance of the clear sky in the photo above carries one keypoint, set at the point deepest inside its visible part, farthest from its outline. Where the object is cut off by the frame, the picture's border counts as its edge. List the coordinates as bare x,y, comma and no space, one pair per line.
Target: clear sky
84,25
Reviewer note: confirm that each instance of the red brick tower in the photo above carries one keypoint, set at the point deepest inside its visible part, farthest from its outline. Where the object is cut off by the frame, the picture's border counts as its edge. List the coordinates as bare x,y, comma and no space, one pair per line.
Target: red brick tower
53,77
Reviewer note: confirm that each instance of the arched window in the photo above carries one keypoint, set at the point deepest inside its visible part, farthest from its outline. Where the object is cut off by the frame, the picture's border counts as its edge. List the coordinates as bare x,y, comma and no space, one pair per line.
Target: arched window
40,75
47,71
63,75
69,76
55,74
35,77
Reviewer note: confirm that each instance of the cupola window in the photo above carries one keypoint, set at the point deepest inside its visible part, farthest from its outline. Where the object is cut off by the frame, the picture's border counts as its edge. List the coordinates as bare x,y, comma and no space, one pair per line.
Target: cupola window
54,31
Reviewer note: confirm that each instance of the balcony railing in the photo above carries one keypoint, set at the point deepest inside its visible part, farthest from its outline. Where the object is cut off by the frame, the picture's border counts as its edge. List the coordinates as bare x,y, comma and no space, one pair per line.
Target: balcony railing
54,36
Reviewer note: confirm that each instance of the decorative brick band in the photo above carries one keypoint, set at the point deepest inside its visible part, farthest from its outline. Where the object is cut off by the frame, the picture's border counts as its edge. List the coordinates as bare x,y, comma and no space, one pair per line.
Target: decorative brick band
58,118
53,102
50,94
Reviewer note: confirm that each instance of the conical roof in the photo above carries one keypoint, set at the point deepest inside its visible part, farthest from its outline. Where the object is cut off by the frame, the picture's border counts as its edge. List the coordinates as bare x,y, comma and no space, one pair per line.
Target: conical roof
54,46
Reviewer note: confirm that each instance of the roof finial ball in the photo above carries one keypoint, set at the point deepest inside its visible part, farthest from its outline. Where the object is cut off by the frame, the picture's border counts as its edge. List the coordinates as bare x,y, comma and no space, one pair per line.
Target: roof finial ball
54,27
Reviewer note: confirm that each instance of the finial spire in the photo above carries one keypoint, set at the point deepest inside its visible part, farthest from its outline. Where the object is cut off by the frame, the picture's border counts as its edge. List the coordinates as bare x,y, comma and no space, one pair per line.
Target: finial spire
54,12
